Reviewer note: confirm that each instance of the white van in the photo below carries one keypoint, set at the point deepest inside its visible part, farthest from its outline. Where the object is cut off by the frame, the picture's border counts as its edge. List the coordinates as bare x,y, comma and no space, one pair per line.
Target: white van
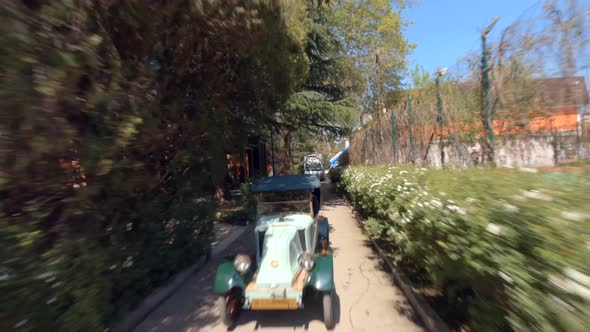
313,164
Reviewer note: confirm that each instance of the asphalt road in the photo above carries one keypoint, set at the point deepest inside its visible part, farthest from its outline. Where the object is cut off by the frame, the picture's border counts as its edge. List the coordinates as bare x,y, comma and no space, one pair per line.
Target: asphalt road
367,299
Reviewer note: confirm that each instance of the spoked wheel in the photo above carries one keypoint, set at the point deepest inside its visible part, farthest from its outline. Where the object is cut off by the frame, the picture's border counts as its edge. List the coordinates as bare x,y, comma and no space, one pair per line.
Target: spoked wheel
327,303
229,307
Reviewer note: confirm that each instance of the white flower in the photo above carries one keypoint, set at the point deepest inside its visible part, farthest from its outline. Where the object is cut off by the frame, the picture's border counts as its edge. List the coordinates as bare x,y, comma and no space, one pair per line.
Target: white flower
128,262
51,300
519,198
114,266
57,284
469,200
573,216
537,195
562,303
436,203
494,229
442,193
48,280
510,207
505,277
457,209
528,170
571,287
129,226
577,276
21,323
45,275
6,274
403,172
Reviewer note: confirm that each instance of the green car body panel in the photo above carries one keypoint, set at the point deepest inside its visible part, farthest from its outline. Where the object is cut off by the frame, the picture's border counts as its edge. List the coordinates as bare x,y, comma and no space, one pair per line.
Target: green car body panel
322,274
227,277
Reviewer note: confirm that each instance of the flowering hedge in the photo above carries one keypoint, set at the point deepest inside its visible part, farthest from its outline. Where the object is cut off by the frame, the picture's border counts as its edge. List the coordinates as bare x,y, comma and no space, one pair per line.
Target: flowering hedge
515,247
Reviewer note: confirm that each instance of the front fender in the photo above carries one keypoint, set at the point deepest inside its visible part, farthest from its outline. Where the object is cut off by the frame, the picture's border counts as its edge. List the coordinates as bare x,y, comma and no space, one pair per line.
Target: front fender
322,275
227,278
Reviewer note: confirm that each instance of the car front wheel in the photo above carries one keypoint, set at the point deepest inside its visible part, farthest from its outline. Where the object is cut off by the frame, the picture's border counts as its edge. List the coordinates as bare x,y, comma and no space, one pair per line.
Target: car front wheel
228,307
327,302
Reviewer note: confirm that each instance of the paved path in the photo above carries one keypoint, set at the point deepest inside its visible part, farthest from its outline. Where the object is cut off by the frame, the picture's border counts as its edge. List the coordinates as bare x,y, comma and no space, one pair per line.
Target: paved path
367,300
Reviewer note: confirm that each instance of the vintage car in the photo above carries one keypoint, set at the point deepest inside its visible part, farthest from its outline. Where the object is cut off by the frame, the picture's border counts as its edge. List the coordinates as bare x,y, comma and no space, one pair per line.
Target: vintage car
293,259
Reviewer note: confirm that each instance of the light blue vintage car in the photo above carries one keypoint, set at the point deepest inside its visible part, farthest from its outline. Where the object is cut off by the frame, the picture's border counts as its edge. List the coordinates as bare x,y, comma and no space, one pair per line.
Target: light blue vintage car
292,255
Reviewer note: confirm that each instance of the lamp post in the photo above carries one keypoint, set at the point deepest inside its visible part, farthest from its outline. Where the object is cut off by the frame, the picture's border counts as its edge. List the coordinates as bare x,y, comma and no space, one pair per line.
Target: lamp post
439,113
487,116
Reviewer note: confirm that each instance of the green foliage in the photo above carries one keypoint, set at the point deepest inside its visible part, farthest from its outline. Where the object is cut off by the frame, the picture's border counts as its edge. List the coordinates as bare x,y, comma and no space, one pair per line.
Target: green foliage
335,174
420,77
248,200
321,104
511,248
321,107
115,120
371,32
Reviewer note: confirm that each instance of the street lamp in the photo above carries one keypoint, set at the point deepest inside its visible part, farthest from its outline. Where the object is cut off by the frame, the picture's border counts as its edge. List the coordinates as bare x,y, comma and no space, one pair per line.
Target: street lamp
440,72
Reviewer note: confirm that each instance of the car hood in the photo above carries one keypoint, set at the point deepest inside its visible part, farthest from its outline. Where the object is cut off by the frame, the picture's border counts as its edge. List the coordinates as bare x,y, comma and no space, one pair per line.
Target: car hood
278,263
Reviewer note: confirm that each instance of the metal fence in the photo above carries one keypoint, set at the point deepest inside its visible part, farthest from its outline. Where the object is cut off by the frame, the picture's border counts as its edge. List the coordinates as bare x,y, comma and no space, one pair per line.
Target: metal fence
519,99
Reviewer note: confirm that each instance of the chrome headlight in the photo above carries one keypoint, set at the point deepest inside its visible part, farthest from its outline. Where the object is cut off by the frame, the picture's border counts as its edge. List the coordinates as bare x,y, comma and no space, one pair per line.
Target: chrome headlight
242,263
306,260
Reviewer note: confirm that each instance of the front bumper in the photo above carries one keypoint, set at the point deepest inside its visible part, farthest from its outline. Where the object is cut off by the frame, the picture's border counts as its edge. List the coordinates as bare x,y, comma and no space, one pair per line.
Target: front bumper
273,299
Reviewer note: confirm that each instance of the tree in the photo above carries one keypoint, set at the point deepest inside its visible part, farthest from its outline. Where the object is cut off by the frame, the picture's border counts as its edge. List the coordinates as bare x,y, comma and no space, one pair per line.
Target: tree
115,117
322,104
420,78
371,32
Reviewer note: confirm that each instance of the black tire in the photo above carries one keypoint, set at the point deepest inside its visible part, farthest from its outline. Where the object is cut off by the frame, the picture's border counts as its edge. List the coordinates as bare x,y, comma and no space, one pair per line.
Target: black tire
227,313
328,308
316,205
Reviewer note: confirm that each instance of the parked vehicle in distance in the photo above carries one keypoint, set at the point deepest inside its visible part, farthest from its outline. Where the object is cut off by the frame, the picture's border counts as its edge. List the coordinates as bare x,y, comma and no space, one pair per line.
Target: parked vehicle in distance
293,260
313,164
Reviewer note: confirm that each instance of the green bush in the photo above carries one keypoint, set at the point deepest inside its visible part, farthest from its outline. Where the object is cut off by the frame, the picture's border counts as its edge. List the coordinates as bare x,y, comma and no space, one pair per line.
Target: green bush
517,243
116,118
335,174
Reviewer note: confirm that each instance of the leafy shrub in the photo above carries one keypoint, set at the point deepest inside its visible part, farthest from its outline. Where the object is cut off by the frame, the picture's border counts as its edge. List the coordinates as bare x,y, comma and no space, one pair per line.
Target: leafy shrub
518,243
335,174
115,121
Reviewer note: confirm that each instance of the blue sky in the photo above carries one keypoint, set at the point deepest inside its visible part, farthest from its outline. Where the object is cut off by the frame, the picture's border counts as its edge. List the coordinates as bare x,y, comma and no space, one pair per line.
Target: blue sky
445,30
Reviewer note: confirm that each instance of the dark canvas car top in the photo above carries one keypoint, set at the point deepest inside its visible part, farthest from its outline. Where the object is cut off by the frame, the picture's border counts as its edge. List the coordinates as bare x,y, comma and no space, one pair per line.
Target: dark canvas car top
282,183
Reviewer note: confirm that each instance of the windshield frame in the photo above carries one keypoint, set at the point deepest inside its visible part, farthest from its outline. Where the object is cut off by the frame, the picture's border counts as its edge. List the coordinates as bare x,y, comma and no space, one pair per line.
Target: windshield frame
266,204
